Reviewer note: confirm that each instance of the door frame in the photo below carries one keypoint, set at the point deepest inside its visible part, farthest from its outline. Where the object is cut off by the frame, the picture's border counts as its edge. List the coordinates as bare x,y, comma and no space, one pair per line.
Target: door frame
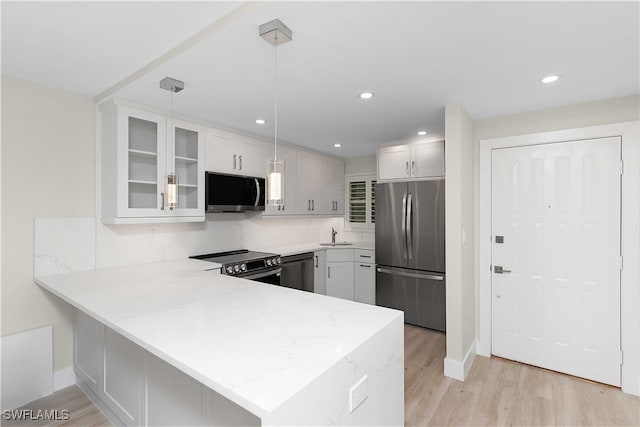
630,237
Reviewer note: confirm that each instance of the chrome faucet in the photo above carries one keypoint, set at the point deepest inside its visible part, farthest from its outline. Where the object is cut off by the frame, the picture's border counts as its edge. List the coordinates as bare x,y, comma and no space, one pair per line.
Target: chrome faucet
333,236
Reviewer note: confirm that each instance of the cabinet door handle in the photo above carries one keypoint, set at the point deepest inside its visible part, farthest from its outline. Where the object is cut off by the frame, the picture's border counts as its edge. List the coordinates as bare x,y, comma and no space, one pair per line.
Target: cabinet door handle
329,270
240,158
413,167
365,256
406,168
316,261
313,205
309,204
284,206
365,265
279,207
162,205
234,161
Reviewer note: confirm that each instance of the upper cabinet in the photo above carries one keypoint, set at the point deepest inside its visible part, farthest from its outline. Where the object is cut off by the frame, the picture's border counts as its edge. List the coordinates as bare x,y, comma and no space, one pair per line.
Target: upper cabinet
139,149
234,154
417,160
309,186
314,184
333,186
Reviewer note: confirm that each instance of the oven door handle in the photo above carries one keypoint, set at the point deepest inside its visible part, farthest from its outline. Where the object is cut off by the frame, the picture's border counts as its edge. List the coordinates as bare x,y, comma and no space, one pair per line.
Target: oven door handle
276,272
257,191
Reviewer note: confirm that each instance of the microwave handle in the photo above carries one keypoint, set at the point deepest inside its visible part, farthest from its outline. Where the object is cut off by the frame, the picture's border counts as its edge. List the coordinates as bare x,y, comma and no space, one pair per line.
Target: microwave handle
257,192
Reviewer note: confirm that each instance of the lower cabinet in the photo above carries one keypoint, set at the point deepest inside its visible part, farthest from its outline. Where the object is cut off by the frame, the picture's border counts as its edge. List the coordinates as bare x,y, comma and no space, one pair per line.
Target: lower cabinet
319,268
365,276
350,274
365,283
135,388
340,273
123,377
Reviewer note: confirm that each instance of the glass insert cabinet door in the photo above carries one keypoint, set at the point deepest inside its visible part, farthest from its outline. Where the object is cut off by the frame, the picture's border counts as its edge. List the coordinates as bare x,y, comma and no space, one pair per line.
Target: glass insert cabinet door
144,158
186,160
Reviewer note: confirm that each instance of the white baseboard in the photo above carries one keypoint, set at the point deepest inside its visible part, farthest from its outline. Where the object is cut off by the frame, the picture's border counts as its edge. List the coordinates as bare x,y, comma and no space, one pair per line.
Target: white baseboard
63,378
460,369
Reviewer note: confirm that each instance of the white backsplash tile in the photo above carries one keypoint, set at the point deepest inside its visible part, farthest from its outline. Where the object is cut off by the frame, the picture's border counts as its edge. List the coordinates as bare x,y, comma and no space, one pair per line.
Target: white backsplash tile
134,244
64,244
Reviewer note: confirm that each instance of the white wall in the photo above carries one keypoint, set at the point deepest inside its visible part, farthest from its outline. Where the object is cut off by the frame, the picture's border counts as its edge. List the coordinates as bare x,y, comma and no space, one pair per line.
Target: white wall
47,171
366,164
615,110
459,231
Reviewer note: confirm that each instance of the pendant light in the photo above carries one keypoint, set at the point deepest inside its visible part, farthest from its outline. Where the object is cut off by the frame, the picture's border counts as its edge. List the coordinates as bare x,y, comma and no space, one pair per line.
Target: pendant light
170,195
275,33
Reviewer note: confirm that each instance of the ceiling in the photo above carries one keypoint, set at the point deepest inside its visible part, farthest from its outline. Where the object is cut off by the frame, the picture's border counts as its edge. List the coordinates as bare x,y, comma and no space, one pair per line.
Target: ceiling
415,56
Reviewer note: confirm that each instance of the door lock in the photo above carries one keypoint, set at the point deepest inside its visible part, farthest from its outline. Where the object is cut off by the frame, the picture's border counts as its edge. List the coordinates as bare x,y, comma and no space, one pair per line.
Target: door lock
499,270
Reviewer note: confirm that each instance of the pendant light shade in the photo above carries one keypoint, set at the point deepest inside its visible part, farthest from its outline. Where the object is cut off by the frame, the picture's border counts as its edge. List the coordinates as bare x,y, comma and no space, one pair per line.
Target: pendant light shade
275,33
172,191
275,182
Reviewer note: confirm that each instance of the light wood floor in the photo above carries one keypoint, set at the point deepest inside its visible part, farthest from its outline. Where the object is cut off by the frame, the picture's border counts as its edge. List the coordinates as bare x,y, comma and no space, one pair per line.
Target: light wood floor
497,392
501,392
82,412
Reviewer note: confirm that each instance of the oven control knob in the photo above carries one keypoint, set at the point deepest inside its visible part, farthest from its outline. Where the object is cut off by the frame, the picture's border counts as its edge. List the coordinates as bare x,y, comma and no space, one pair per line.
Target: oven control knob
243,267
229,270
269,262
236,268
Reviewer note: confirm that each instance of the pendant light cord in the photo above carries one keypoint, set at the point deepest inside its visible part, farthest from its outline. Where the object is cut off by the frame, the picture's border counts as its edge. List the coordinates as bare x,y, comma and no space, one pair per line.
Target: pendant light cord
275,103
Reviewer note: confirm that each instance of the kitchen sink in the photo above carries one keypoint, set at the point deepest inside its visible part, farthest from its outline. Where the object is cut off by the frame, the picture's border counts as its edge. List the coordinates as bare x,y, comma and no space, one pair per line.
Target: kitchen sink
336,244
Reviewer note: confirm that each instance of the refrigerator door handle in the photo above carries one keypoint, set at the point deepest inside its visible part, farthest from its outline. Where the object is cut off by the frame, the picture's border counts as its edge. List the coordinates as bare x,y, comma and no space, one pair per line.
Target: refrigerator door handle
404,224
409,222
410,274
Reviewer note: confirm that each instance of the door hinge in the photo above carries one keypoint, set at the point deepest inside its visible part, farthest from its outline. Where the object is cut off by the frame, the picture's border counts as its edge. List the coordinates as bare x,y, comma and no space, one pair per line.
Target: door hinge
621,358
621,167
621,262
490,267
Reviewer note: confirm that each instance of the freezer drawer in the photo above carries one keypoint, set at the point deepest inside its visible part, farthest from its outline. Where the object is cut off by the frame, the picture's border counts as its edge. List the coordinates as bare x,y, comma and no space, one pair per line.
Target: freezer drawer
420,294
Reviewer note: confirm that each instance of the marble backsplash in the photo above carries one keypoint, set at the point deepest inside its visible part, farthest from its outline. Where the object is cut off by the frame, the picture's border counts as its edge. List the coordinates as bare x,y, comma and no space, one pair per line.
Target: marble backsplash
118,245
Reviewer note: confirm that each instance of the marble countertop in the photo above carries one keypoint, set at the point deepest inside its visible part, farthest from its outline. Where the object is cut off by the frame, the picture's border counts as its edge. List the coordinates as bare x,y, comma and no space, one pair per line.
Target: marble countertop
256,344
310,247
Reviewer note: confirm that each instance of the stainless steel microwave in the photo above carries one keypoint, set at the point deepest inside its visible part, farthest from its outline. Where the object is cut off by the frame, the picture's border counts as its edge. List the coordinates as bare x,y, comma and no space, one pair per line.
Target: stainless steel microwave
233,193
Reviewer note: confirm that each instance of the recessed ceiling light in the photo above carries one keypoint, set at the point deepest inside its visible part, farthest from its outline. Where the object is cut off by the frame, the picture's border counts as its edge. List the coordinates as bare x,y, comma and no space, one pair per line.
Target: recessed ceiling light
550,79
366,95
337,145
260,121
422,132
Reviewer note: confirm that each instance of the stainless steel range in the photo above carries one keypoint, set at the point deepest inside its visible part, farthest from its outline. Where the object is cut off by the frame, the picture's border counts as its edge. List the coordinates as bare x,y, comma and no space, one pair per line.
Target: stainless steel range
259,266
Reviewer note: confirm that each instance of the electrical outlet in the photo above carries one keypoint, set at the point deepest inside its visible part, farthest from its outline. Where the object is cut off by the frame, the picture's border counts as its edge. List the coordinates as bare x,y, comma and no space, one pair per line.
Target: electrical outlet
358,393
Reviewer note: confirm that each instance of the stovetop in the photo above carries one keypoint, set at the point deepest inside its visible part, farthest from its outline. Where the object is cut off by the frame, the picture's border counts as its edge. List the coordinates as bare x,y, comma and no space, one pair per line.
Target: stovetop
242,255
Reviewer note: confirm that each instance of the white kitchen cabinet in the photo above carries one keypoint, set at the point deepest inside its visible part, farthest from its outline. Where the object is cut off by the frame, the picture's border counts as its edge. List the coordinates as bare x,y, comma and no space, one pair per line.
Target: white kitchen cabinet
233,154
290,178
172,398
137,154
340,273
319,268
365,276
186,160
123,377
332,202
417,160
88,348
309,183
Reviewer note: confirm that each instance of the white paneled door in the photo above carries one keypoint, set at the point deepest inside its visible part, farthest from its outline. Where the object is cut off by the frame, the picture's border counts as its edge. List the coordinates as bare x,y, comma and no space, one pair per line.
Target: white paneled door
556,257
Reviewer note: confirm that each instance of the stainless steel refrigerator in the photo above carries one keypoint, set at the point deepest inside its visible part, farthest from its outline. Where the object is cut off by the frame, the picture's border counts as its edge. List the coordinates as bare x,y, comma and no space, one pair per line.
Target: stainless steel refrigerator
410,249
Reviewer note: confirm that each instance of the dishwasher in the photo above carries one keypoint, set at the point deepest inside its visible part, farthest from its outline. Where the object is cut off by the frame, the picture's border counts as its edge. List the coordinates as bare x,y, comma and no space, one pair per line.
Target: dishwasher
297,271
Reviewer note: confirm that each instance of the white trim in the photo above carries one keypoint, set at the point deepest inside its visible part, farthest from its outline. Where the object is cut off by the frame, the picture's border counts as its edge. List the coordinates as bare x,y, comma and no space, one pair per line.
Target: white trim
63,378
630,277
459,370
